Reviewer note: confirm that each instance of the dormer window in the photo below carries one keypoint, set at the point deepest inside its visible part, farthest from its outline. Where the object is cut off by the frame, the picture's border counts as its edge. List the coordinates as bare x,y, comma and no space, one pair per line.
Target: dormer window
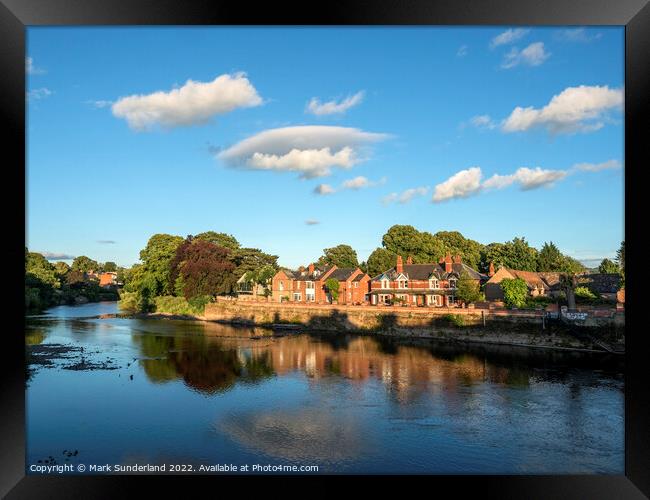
402,284
385,284
452,283
433,283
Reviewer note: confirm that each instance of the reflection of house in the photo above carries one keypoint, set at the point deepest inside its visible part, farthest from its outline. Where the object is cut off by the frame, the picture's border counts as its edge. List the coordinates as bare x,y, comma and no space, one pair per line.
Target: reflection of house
421,284
302,285
604,285
108,279
539,284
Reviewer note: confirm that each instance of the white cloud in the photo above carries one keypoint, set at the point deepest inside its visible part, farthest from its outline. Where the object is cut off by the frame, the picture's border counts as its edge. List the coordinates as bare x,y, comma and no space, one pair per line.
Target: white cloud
333,107
30,69
462,51
597,167
309,162
575,109
356,183
194,103
99,104
409,194
578,35
483,121
311,150
508,36
527,178
533,55
41,93
312,222
460,185
324,189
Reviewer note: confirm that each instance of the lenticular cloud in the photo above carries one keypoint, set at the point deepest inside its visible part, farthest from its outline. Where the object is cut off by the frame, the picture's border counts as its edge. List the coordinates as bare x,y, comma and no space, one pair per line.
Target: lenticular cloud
310,150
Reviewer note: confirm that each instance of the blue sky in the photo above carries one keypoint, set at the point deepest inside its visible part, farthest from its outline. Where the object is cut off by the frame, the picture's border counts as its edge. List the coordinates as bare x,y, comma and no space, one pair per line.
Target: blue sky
494,132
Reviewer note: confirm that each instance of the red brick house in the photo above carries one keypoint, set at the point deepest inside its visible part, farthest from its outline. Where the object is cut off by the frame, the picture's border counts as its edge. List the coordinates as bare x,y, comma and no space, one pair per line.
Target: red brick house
107,279
431,285
301,286
308,285
353,284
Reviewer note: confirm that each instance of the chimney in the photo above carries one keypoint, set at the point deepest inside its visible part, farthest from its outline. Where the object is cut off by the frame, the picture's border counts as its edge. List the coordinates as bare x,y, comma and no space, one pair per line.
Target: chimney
409,260
448,263
491,271
399,268
457,259
311,268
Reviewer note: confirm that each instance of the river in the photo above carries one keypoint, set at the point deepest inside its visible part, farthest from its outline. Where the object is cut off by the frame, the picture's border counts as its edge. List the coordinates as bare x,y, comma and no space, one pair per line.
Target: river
104,389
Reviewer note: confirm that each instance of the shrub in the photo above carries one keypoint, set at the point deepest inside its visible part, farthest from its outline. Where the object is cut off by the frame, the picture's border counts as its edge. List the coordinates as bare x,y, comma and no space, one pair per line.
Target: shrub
515,292
181,306
454,319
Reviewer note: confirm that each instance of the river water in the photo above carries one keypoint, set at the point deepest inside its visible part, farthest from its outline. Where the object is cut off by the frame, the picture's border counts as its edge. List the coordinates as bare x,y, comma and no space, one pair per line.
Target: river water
109,390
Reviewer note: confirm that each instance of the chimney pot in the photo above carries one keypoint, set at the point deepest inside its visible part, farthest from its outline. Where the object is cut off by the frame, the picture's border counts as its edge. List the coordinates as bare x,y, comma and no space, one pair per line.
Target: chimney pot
409,260
399,267
491,271
311,268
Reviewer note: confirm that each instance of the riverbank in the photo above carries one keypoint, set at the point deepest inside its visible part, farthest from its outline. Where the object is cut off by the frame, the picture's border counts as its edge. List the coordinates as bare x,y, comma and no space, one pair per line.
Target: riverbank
515,328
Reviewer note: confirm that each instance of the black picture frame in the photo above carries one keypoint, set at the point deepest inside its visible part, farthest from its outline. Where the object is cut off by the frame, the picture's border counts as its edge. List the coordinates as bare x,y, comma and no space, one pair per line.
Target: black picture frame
15,15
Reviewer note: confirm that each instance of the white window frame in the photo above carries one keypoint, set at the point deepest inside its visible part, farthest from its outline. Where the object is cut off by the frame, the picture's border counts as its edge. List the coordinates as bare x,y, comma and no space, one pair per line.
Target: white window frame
356,284
281,286
402,284
434,284
299,299
385,284
452,283
451,299
309,285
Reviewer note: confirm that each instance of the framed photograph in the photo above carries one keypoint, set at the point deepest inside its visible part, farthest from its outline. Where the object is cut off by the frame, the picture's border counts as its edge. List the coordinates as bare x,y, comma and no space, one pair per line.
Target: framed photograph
383,241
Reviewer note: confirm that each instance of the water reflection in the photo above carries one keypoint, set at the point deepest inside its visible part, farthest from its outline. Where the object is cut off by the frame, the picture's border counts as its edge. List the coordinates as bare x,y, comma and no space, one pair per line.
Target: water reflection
212,358
211,393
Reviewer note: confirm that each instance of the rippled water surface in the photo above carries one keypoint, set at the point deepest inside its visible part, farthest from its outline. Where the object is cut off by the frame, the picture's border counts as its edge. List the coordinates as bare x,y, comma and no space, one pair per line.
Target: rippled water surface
127,391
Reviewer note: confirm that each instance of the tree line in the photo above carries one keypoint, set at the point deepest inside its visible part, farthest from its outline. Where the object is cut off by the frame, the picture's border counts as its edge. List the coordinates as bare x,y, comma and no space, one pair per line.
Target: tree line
196,268
48,285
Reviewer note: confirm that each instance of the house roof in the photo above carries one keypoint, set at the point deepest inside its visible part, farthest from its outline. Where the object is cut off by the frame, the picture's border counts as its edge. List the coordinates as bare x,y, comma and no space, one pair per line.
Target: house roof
306,275
427,271
532,279
342,273
600,282
359,277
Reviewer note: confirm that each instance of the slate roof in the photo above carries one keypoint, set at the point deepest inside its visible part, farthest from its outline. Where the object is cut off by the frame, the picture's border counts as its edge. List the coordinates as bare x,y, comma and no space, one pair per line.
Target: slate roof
342,273
306,275
359,277
600,283
423,272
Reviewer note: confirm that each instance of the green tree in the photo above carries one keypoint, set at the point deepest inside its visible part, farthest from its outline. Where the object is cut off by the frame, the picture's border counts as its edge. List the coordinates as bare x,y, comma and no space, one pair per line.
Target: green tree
515,292
340,256
40,268
568,284
407,241
550,258
84,264
380,260
156,258
468,289
109,267
252,259
61,269
620,257
333,288
219,239
456,244
608,267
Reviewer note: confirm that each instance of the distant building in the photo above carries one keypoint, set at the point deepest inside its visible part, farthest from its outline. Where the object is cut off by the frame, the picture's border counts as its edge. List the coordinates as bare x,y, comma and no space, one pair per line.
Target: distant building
539,284
604,285
432,285
108,279
245,287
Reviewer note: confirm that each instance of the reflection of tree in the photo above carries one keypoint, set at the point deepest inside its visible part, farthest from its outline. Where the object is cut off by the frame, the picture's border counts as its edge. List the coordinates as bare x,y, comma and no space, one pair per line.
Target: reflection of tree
204,363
